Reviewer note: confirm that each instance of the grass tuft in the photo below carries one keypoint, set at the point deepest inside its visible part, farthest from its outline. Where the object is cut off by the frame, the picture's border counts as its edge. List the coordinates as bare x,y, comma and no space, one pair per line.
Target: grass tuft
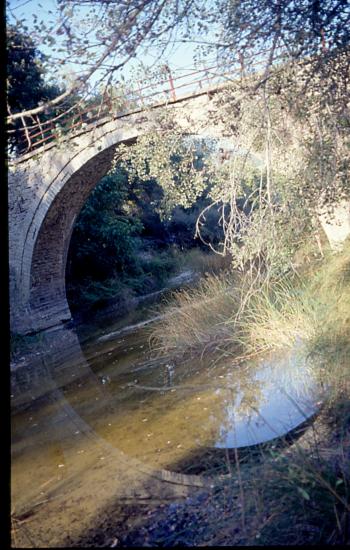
197,318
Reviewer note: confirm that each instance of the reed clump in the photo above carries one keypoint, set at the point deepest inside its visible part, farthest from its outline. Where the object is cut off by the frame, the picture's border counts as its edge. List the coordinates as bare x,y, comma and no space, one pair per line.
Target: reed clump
196,319
226,312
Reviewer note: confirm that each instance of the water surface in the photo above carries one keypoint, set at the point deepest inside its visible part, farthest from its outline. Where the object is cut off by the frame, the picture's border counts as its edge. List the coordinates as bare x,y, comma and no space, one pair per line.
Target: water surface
109,423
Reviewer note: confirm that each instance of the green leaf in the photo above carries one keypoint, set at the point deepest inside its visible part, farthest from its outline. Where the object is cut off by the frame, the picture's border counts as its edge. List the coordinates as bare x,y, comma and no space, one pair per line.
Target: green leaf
303,493
339,482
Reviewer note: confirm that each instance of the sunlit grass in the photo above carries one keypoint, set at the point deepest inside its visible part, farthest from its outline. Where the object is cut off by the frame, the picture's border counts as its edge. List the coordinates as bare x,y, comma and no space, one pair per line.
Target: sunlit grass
196,319
314,308
278,317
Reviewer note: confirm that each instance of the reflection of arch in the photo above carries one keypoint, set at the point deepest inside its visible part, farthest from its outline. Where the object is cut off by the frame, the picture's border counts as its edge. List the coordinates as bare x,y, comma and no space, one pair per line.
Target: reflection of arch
88,486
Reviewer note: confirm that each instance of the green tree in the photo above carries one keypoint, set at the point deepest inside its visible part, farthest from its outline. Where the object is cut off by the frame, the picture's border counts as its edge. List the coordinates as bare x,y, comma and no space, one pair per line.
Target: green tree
26,85
105,234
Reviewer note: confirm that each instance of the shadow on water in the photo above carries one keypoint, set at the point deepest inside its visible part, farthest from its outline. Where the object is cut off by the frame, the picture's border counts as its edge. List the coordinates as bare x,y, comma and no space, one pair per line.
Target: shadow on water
218,461
101,435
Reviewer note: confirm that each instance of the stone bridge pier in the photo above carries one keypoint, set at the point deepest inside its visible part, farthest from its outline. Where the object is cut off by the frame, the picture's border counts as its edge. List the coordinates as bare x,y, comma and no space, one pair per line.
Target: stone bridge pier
47,190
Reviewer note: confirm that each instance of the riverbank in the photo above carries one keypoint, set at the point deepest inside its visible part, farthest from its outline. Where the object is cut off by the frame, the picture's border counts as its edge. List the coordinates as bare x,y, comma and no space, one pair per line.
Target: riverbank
276,500
291,494
118,422
300,495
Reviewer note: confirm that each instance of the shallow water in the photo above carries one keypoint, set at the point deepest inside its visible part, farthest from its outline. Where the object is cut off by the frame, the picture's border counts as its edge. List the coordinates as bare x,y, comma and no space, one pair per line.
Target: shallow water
110,423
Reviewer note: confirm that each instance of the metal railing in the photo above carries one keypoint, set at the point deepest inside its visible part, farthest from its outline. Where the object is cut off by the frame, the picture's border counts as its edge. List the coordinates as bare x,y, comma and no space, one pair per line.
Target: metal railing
68,120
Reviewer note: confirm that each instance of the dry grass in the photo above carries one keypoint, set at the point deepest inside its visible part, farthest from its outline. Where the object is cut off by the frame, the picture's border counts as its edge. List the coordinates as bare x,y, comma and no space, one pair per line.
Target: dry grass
279,316
314,308
197,319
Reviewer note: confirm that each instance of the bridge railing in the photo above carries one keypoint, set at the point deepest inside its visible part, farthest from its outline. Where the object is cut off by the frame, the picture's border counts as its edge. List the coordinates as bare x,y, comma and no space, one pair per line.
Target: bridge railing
73,115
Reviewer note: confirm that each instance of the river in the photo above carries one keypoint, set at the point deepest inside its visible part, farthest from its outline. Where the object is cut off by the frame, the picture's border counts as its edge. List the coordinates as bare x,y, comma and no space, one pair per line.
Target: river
106,425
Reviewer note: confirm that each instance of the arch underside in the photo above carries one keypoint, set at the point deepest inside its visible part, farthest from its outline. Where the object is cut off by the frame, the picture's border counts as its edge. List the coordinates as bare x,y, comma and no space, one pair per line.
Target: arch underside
48,304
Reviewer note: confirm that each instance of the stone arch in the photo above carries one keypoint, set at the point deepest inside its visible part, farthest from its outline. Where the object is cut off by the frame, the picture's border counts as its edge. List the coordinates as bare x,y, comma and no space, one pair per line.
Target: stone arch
59,187
47,300
46,192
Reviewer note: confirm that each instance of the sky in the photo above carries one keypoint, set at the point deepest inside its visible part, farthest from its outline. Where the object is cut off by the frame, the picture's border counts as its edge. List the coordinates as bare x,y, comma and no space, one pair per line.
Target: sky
179,56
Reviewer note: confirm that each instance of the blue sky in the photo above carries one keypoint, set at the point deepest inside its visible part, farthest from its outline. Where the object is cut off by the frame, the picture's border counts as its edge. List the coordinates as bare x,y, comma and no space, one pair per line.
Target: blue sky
179,56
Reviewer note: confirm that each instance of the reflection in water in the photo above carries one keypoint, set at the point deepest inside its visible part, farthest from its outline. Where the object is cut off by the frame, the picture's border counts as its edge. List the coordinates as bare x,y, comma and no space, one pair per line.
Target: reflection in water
279,396
113,424
64,474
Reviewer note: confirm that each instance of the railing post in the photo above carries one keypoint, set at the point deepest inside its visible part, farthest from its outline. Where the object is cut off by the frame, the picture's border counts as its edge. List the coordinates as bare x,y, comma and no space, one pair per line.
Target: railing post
40,127
26,133
171,82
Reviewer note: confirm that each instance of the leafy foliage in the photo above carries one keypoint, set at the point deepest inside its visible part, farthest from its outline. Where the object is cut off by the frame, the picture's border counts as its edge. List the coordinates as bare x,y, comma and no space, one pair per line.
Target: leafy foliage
289,160
26,85
121,245
104,237
174,162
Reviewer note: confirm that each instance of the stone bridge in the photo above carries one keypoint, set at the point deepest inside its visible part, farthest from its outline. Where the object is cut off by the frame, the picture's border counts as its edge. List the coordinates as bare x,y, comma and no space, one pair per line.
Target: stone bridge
48,188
